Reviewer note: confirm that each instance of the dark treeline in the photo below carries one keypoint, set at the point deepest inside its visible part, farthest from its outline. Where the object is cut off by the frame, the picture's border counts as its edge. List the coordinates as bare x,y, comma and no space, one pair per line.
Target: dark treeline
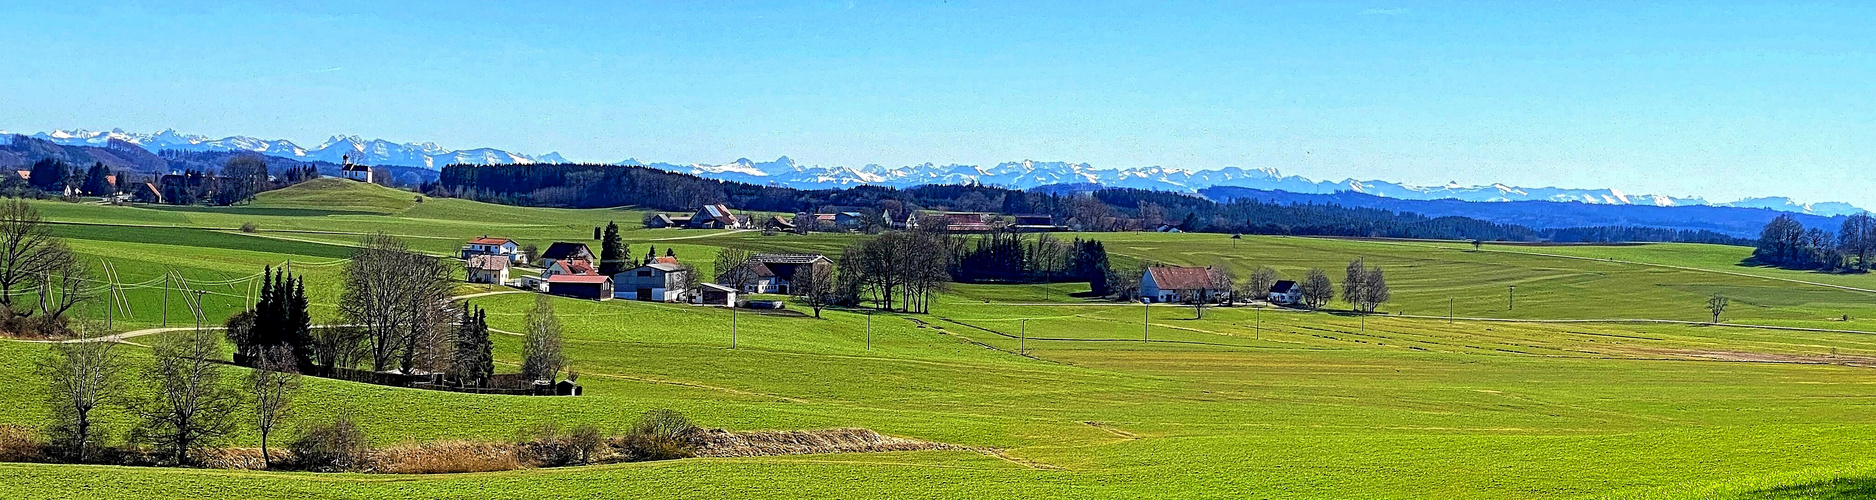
1111,209
1786,243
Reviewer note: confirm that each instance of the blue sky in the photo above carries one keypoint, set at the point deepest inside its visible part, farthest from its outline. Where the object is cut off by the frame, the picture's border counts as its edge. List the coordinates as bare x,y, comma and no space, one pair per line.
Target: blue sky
1716,99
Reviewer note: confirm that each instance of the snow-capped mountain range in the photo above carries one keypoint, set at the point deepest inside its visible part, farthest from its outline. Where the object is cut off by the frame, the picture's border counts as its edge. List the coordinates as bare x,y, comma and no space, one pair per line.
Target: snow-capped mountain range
1017,175
334,150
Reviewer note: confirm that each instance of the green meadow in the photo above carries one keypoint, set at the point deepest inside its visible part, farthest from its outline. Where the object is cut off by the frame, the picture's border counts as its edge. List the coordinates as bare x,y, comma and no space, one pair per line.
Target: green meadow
1565,372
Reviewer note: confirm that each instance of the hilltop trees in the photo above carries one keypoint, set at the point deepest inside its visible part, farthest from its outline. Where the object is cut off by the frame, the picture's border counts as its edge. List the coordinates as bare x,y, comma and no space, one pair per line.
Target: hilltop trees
1316,289
242,177
1784,242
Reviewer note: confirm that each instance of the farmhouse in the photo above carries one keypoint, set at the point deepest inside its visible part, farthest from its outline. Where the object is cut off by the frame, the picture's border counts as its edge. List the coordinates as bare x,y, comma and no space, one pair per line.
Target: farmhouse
490,269
775,271
500,247
959,222
583,286
1178,284
564,251
1035,223
1286,292
656,282
777,223
716,216
656,221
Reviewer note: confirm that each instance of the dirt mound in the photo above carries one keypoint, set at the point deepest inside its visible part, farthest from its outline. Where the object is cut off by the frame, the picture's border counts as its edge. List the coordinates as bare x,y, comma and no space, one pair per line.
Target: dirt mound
722,443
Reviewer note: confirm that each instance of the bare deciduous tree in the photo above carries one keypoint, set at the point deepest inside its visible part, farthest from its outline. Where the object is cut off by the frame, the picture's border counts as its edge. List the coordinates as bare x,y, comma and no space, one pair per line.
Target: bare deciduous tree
814,286
733,268
398,297
1258,286
1365,288
64,283
191,407
1225,280
273,382
23,242
83,375
1316,288
1717,305
541,358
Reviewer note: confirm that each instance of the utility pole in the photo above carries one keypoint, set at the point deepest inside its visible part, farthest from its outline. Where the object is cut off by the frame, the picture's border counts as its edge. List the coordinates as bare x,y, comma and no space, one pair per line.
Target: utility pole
732,323
1511,297
198,308
1449,311
166,301
1260,322
1146,315
869,330
1022,344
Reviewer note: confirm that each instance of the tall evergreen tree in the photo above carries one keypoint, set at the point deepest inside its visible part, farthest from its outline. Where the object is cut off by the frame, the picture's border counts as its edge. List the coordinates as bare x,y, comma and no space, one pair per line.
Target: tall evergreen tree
612,251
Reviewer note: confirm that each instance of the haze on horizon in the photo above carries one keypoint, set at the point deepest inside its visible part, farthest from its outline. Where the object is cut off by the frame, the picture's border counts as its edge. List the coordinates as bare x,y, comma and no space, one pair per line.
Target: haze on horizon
1718,101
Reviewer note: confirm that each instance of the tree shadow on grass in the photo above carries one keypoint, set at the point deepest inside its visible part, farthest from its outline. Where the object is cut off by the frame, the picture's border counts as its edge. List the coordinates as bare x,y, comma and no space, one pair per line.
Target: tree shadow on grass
262,211
1836,488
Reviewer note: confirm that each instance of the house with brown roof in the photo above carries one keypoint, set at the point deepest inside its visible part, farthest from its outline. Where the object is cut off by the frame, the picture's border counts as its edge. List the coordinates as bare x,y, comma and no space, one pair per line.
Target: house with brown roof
1180,284
593,286
490,269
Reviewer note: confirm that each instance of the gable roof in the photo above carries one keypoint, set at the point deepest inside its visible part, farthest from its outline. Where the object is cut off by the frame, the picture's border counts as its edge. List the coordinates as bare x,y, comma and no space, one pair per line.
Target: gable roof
354,167
719,212
716,287
661,266
488,262
490,241
579,267
761,270
665,259
562,250
1282,286
1181,278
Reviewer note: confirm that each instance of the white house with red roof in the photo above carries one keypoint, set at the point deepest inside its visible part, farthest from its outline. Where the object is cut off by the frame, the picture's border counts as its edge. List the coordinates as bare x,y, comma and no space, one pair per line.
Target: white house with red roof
502,247
490,269
1179,284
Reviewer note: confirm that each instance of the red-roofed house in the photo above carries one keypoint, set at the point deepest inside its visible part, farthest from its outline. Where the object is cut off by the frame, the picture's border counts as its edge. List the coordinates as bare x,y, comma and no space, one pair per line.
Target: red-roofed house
503,247
1179,284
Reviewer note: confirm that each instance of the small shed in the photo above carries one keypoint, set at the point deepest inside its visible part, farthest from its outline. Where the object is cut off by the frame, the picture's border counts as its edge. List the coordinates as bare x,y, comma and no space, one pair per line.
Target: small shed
712,294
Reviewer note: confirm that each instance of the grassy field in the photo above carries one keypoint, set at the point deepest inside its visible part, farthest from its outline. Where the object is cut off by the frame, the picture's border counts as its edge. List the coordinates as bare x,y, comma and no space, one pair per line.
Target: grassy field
1244,403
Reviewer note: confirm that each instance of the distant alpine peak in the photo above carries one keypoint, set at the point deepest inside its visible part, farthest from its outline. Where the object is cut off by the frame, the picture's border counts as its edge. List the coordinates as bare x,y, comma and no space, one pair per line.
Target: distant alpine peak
337,148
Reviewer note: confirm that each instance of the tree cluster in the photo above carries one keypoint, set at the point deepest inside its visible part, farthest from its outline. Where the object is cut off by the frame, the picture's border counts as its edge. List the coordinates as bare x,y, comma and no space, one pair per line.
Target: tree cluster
398,300
38,266
900,270
279,319
1786,243
1364,287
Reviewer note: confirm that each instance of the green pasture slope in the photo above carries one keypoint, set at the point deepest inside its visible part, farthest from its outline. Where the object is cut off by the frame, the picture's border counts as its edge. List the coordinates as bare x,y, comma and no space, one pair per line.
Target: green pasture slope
1244,403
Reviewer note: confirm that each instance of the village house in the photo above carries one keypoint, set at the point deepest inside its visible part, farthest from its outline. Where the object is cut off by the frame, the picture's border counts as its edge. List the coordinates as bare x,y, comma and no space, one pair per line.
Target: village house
1285,292
959,222
715,216
581,286
1178,284
656,282
490,269
500,247
568,268
656,221
775,271
561,251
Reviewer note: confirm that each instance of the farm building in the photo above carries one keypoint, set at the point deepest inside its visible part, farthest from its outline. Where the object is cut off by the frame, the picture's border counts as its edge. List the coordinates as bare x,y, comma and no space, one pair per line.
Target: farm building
1035,223
716,216
589,286
145,192
569,268
774,271
1178,284
564,251
656,282
958,222
712,294
490,269
1286,292
656,221
777,223
499,247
